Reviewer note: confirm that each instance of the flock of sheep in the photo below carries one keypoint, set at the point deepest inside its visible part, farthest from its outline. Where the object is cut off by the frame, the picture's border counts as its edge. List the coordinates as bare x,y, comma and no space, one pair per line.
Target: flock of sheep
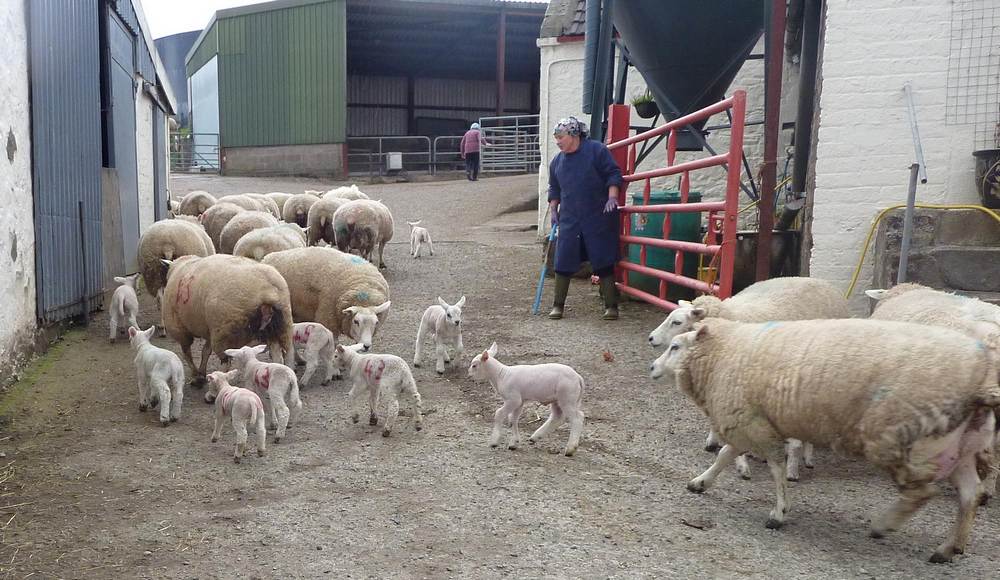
777,368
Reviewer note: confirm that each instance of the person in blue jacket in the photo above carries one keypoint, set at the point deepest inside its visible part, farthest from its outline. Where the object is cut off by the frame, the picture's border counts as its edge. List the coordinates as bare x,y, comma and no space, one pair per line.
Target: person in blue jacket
583,201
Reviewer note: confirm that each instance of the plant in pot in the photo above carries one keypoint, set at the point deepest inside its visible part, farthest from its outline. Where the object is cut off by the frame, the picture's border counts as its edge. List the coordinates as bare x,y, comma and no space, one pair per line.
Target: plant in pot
645,106
988,172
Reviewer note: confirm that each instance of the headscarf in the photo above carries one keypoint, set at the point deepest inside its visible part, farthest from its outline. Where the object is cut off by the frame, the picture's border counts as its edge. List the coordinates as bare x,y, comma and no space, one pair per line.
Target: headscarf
570,126
474,126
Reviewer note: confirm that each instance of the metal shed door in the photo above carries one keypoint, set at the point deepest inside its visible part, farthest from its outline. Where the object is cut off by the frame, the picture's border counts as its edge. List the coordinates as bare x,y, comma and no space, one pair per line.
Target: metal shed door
159,165
123,122
66,146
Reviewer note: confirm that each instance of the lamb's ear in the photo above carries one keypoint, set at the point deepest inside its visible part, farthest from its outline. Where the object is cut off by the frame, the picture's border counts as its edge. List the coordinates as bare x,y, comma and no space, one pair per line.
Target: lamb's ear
382,307
131,331
698,313
684,304
492,349
149,332
461,302
121,280
167,262
486,356
260,348
442,303
701,333
876,294
340,348
352,310
232,352
232,375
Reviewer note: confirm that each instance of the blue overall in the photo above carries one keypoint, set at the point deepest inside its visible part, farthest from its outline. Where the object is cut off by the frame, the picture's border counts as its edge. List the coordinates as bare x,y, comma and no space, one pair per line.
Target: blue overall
580,182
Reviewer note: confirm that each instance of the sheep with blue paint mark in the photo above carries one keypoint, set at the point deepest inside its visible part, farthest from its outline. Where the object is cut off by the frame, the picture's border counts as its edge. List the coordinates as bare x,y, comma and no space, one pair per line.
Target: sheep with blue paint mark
917,401
363,225
344,293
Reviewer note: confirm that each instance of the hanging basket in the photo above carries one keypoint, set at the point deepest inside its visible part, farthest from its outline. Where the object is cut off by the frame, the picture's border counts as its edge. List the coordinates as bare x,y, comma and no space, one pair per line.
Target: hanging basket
647,109
988,177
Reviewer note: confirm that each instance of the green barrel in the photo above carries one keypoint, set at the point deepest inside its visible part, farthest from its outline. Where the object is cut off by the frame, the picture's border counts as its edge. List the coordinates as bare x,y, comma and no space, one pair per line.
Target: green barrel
683,226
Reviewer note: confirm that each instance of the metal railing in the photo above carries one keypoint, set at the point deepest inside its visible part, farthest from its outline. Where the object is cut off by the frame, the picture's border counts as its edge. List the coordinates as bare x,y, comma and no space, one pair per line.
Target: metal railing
194,152
447,154
721,238
513,144
369,155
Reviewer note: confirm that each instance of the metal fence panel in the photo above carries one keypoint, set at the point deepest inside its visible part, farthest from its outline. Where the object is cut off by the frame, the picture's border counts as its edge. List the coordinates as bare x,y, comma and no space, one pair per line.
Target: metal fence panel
194,152
66,144
513,144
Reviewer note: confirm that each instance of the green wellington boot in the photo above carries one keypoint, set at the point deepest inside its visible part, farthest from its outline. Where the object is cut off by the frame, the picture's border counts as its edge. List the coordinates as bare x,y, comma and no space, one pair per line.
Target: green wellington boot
610,294
559,300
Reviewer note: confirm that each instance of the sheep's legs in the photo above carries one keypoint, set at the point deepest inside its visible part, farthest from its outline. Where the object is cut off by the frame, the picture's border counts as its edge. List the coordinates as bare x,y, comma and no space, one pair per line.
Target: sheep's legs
502,413
555,419
260,431
712,443
218,424
417,355
965,479
391,412
743,466
430,245
353,397
113,327
176,400
442,354
807,455
793,449
914,496
372,401
206,351
189,359
381,249
240,427
575,432
159,386
727,454
776,463
277,397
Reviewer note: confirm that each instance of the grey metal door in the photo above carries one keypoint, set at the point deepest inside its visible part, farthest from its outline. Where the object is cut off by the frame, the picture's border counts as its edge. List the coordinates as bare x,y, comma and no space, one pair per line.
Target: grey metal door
123,125
159,165
66,145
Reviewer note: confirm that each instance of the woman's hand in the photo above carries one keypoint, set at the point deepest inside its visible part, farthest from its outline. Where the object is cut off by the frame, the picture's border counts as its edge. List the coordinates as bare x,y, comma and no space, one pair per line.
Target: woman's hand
611,205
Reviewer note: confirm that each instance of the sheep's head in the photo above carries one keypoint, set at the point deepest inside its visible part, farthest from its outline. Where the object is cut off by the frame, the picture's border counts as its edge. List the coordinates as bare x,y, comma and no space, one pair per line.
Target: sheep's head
674,359
681,320
452,314
477,369
241,356
342,355
132,280
364,320
137,337
216,381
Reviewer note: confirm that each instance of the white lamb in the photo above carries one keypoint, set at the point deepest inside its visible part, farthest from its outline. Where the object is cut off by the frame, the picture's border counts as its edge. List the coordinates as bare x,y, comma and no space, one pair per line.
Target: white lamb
556,385
917,401
379,375
444,323
788,298
243,405
418,236
272,382
160,375
314,343
124,305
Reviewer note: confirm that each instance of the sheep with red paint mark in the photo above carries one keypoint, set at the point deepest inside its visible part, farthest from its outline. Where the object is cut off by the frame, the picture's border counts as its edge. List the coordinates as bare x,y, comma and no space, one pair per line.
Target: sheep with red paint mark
313,343
243,406
917,401
272,382
379,375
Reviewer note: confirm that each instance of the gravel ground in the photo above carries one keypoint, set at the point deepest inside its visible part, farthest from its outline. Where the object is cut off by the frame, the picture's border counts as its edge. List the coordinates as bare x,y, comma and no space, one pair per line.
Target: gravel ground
99,490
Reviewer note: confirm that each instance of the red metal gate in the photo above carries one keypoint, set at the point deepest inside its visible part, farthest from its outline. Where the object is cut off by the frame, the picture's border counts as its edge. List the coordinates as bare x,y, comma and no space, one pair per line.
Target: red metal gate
720,243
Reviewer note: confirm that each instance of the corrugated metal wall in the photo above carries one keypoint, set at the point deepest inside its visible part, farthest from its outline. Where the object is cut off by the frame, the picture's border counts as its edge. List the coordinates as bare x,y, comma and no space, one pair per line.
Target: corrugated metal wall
208,48
66,145
274,66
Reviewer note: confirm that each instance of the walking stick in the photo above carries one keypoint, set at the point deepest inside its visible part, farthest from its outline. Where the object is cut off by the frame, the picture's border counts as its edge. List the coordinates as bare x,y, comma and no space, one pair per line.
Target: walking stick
541,275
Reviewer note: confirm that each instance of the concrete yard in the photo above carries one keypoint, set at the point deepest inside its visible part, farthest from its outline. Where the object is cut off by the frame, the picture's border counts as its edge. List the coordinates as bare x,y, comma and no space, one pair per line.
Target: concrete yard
92,488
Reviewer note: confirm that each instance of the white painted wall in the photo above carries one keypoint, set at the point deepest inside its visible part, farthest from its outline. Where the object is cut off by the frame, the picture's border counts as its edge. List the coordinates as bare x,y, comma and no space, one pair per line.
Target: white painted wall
144,157
561,95
864,143
17,237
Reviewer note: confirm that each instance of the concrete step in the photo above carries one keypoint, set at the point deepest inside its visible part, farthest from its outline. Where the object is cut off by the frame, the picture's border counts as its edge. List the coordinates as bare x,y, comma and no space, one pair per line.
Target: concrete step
973,268
991,297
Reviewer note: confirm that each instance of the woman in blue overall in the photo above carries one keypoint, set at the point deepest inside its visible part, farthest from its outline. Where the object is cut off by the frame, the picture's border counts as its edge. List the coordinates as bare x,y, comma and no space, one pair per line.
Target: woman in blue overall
583,201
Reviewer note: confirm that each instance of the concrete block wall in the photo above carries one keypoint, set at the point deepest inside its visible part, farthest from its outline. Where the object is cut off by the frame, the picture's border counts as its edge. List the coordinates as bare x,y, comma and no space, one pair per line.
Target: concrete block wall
323,160
561,96
17,237
144,157
864,142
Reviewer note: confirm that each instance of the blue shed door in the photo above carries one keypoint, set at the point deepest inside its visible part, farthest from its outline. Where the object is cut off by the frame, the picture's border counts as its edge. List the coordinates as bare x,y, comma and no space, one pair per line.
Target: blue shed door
123,125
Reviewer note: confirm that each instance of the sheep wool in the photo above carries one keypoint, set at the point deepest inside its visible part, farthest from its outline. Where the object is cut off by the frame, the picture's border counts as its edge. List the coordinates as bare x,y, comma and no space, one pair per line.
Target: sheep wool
321,220
241,224
216,218
260,242
168,240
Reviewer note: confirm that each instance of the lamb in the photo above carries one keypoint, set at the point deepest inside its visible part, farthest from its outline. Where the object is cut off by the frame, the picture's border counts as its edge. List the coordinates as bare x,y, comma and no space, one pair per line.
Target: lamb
340,291
167,240
418,236
361,225
790,298
272,382
241,224
124,304
556,385
160,375
321,220
260,242
196,203
923,305
350,192
229,302
917,401
313,343
279,199
244,406
296,208
269,205
215,219
173,208
379,375
444,323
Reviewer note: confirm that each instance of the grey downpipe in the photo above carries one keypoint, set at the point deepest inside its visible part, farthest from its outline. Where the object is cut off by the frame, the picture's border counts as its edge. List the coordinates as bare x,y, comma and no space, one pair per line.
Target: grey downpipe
812,11
601,95
591,33
918,171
